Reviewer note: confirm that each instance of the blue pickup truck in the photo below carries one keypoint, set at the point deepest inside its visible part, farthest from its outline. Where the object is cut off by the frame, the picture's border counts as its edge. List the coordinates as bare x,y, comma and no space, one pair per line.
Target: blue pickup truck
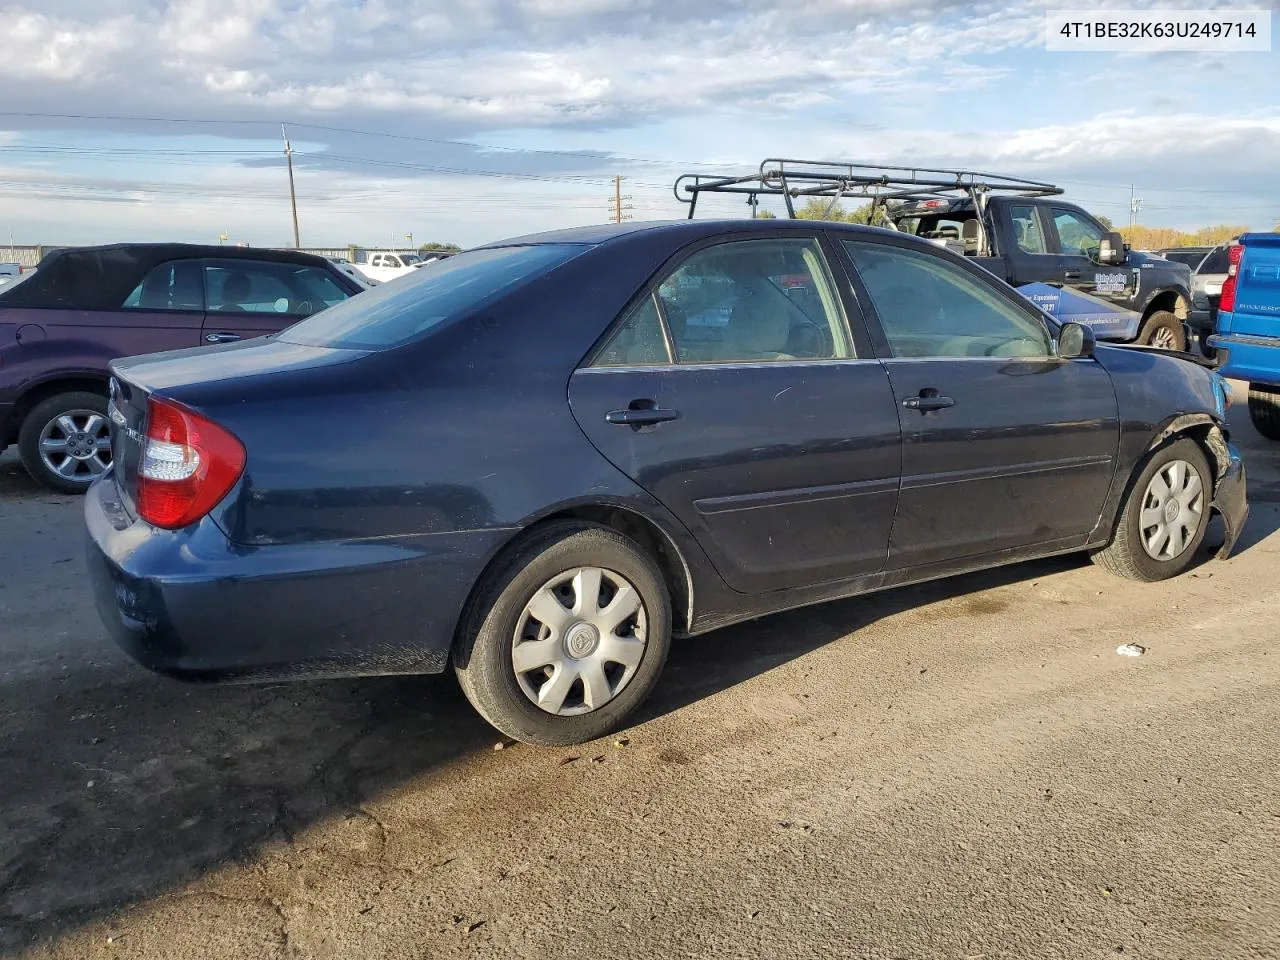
1247,340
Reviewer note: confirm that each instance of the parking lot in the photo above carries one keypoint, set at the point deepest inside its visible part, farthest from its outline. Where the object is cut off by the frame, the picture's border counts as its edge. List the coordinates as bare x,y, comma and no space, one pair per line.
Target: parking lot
958,770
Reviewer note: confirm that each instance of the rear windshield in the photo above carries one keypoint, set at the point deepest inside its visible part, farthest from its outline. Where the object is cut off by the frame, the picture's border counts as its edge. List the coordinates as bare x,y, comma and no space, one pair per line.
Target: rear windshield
407,307
1190,257
1216,262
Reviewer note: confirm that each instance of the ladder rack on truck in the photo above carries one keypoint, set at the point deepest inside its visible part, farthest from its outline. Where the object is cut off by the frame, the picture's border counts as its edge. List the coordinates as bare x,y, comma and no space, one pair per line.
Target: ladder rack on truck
792,179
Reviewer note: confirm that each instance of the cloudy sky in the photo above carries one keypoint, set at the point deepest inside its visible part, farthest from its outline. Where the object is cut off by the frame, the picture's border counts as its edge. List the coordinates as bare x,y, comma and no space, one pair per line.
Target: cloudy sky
472,120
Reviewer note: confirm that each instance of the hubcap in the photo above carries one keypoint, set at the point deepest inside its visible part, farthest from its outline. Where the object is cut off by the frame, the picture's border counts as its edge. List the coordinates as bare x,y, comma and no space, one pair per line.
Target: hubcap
76,445
579,641
1163,338
1172,510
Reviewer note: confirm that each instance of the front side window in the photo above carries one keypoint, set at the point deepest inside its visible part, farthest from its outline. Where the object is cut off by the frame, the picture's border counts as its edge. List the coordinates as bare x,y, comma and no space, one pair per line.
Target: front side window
1077,235
929,307
249,286
754,301
1026,229
176,285
392,313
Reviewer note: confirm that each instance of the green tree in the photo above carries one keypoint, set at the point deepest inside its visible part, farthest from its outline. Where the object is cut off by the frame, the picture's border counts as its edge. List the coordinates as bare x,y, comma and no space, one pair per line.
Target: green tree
1106,222
442,247
770,215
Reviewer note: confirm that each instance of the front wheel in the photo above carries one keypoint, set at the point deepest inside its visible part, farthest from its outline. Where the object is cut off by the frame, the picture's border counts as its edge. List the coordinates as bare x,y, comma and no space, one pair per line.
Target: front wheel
566,637
1165,516
65,442
1264,410
1164,330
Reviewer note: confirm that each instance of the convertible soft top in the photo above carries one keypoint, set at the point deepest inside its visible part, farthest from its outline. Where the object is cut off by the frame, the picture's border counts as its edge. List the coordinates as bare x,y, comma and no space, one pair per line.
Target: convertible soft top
100,278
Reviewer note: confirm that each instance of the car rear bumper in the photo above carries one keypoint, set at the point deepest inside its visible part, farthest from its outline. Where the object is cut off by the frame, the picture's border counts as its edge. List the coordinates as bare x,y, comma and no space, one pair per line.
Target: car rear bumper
1248,357
1231,501
190,603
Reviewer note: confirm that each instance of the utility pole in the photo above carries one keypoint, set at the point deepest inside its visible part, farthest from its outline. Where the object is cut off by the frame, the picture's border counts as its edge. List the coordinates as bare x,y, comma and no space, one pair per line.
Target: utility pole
293,195
1135,204
617,211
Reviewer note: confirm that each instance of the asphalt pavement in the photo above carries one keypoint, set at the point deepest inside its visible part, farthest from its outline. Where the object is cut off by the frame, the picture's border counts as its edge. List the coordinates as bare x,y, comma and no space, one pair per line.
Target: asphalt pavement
965,769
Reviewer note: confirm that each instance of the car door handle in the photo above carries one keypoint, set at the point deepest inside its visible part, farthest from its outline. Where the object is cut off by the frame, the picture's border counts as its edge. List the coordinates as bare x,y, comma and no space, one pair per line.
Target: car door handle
222,337
925,403
1072,274
642,416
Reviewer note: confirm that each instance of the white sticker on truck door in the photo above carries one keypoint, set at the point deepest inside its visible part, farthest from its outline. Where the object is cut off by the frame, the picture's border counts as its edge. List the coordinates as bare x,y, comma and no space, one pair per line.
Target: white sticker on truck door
1109,282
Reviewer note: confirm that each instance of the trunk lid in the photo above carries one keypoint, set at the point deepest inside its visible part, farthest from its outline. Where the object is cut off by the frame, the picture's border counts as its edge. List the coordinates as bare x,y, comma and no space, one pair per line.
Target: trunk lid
207,379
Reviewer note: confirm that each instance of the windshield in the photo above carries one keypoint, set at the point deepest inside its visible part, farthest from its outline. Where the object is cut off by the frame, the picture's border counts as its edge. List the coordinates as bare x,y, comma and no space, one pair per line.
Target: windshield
392,313
408,258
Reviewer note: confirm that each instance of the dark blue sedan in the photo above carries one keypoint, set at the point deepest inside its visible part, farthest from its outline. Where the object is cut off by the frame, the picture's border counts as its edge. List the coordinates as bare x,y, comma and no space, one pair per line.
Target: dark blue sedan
540,459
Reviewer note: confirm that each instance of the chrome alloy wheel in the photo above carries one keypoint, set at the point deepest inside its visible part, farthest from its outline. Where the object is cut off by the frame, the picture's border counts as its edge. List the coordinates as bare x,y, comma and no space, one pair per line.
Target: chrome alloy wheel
1172,510
579,641
76,445
1164,339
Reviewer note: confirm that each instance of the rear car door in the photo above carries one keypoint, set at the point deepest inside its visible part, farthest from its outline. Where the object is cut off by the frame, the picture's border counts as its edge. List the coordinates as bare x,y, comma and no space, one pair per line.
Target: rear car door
1079,239
164,312
734,392
253,298
1004,445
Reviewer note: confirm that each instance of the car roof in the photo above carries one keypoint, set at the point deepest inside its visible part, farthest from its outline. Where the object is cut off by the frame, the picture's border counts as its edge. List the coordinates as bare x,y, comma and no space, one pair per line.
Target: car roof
686,230
100,277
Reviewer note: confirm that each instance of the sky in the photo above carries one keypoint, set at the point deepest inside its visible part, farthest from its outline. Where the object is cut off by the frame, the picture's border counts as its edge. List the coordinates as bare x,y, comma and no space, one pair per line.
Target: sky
474,120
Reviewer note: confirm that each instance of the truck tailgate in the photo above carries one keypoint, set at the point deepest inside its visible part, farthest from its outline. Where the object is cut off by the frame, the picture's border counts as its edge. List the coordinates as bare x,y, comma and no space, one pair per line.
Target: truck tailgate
1257,306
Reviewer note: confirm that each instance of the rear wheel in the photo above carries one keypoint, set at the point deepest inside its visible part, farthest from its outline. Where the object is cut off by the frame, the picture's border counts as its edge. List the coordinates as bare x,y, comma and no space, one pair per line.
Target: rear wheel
1165,516
65,441
1264,410
1164,330
566,637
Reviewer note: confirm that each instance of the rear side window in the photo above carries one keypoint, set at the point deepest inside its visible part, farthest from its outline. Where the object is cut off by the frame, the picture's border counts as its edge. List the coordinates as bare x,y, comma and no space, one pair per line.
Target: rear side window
176,285
250,286
755,301
639,342
393,313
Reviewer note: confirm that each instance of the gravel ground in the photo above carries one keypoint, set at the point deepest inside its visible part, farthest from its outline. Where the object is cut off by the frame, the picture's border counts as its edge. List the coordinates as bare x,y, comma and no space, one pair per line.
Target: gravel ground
964,769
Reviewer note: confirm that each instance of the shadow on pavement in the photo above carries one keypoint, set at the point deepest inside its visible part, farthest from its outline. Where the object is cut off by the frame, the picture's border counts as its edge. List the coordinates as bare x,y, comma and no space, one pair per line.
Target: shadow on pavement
119,786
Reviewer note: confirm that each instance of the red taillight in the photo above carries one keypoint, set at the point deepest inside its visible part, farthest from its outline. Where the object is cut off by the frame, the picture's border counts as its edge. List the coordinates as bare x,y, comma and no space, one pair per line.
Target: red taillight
1227,302
934,204
188,464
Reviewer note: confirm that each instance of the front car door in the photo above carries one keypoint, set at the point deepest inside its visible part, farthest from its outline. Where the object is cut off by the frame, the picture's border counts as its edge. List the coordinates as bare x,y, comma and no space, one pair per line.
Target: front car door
1079,239
1005,446
734,391
252,298
1030,250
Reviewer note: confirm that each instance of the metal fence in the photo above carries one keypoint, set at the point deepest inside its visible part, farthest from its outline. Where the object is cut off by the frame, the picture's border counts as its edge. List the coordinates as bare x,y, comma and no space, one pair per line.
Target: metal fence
29,255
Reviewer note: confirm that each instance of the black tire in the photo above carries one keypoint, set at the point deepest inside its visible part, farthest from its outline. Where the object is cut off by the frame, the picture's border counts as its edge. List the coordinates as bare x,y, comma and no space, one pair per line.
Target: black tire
33,426
483,651
1163,324
1264,411
1126,556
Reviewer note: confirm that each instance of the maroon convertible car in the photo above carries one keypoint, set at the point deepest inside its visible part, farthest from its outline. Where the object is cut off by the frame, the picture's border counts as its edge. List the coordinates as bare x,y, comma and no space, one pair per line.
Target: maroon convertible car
84,307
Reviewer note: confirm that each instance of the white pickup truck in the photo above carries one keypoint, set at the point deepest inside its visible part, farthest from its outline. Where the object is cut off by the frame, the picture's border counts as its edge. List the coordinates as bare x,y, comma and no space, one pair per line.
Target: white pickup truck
387,266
